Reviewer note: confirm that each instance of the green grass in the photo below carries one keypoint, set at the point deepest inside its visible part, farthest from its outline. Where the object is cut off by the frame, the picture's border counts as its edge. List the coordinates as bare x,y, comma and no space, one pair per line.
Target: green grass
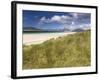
69,51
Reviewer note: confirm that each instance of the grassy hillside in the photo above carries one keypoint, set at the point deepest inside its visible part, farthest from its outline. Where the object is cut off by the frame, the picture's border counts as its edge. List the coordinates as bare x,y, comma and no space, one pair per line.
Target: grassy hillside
68,51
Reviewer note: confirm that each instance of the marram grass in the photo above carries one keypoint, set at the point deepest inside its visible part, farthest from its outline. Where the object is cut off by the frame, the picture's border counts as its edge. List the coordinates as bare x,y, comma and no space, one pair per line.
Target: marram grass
69,51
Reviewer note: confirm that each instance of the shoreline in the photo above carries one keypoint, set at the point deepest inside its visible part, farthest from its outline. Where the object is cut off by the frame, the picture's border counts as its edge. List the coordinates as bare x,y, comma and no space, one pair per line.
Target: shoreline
38,38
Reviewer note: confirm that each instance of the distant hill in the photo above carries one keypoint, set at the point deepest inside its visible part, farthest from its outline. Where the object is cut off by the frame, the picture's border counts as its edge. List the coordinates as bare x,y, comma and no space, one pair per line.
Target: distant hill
31,29
66,30
78,30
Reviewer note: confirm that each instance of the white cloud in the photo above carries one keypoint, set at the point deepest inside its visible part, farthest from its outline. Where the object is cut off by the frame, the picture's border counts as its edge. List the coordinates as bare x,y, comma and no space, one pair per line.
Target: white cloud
56,18
75,15
85,26
43,19
73,23
60,19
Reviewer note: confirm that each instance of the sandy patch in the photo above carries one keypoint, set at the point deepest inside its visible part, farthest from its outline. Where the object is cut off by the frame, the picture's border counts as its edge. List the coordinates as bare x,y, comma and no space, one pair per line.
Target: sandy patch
37,38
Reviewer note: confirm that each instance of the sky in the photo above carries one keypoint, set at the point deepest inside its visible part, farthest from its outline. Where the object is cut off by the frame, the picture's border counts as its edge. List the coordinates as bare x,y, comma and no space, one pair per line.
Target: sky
56,20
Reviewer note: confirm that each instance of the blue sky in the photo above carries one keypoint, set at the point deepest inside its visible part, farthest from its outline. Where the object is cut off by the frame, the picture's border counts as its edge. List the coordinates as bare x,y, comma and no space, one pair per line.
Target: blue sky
55,20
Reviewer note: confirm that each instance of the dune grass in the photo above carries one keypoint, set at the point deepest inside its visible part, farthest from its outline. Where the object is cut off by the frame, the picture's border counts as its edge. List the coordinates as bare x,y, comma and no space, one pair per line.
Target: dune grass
69,51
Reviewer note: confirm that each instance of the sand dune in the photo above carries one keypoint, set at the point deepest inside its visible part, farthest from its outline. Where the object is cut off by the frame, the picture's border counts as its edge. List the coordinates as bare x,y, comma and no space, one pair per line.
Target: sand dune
37,38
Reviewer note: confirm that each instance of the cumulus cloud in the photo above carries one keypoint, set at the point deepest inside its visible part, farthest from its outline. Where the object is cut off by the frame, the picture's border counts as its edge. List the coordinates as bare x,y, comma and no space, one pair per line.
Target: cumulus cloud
71,21
63,19
56,18
43,19
85,26
75,15
80,15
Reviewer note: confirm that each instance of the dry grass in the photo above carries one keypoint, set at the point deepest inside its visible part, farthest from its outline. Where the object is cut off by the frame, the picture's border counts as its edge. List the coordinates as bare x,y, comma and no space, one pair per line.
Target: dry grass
69,51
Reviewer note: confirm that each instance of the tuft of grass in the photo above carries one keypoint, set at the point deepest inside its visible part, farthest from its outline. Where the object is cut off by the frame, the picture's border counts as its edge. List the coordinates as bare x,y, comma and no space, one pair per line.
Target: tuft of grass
69,51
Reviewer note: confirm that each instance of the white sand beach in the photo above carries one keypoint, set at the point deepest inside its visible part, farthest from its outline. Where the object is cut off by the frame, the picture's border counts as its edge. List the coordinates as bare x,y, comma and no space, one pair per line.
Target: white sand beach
37,38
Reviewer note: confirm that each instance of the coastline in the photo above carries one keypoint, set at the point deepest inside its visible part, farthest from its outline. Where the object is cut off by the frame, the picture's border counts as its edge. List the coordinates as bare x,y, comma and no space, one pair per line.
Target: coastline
38,38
